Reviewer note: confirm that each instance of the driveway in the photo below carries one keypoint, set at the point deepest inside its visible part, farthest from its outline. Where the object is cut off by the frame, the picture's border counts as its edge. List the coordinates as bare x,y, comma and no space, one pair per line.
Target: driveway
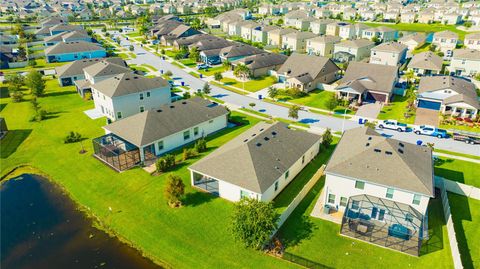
426,116
370,111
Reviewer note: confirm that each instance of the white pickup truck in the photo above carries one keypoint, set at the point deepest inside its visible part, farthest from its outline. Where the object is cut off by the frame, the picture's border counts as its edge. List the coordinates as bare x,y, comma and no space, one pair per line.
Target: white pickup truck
393,125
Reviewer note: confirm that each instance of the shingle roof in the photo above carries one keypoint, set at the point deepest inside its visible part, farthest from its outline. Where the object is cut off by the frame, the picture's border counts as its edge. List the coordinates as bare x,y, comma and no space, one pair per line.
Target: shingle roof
75,46
298,65
357,43
144,128
255,159
445,34
76,67
364,154
417,37
128,83
426,60
465,89
466,54
263,60
106,68
375,77
325,39
239,50
65,35
390,47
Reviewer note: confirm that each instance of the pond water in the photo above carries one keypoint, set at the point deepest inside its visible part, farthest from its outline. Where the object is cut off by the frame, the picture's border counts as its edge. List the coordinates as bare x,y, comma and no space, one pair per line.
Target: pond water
40,228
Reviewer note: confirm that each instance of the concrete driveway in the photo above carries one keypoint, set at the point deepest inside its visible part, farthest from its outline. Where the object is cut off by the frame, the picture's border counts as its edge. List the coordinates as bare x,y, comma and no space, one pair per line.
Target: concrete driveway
370,111
426,116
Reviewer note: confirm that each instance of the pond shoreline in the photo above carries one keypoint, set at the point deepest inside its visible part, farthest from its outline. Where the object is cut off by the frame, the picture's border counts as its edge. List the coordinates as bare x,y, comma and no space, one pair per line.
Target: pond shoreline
96,221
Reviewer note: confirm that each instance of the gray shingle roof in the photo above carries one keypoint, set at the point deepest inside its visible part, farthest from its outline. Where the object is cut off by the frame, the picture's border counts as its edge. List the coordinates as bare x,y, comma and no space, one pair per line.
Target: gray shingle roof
106,68
255,159
263,60
76,67
469,54
144,128
390,47
297,65
375,77
364,154
237,50
426,60
70,47
128,83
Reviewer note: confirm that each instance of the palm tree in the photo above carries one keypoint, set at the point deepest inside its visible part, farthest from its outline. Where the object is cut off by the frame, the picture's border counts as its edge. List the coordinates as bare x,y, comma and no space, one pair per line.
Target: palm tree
272,92
242,72
226,64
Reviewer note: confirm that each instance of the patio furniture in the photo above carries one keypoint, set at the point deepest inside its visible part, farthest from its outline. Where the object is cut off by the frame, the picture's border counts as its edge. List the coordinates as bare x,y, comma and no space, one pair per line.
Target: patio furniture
399,231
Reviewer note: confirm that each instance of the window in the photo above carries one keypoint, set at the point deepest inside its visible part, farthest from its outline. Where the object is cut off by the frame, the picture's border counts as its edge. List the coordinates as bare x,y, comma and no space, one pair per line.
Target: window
416,199
195,131
160,145
359,185
119,115
142,108
244,194
381,215
331,198
287,174
276,186
343,201
186,135
210,121
355,204
303,159
148,94
389,193
141,96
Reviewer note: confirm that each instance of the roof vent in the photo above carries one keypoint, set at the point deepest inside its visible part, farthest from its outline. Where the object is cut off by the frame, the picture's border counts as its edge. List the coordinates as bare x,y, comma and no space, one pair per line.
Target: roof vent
184,103
259,144
401,144
127,79
159,110
274,133
135,77
172,106
400,150
369,138
254,135
388,152
245,140
368,144
261,129
266,138
377,150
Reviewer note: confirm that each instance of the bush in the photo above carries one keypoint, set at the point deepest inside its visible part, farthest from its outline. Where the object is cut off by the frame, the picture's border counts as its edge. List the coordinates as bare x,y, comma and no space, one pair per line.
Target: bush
201,145
295,93
168,73
87,96
189,153
174,190
162,51
218,76
40,115
186,95
17,96
72,137
327,138
165,163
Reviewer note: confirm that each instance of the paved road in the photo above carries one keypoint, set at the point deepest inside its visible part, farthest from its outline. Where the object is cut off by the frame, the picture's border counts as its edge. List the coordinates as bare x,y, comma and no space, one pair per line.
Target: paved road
316,120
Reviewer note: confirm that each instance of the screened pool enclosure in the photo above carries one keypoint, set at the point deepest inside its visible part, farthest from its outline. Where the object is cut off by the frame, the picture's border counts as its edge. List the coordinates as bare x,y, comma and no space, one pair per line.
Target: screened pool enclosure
116,152
385,223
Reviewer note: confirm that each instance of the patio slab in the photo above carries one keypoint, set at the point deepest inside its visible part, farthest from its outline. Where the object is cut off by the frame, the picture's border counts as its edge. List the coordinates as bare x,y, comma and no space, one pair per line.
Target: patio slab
93,114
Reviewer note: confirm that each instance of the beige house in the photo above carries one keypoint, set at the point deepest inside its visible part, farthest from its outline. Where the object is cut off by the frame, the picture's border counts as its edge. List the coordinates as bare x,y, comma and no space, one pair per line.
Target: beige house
425,63
446,42
352,50
407,17
296,41
390,53
319,27
260,34
246,29
322,45
413,41
274,37
472,41
426,17
465,62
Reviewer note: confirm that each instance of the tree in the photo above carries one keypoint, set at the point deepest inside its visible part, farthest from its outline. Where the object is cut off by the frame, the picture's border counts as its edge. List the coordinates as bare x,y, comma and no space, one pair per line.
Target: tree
409,75
131,48
40,114
332,103
253,222
370,124
194,54
293,112
375,40
252,105
218,76
168,73
35,83
226,64
327,138
206,88
272,92
15,82
164,163
174,190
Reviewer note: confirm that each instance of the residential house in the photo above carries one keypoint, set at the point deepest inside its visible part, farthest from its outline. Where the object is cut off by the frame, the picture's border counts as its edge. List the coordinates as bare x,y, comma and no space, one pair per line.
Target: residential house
389,53
67,37
291,18
426,17
164,27
185,42
275,37
246,29
160,130
426,63
382,33
352,50
452,18
60,28
238,51
413,41
408,17
176,33
333,28
322,45
445,41
450,95
380,184
306,72
260,33
366,82
296,41
262,64
127,94
472,41
319,27
210,49
71,51
258,163
97,72
465,62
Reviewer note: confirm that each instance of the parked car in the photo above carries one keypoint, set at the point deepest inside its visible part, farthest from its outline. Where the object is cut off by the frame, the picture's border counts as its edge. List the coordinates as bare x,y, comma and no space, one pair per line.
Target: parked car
430,131
393,125
467,137
203,66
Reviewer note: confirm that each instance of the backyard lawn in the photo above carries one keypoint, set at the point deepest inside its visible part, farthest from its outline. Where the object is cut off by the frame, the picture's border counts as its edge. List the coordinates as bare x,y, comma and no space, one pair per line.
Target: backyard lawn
194,236
421,27
251,85
396,110
319,241
188,62
41,64
466,220
458,170
211,71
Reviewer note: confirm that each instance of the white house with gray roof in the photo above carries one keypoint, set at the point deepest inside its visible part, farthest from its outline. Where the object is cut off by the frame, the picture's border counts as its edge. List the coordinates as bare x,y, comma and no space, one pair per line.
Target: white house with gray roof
352,50
257,164
465,62
425,63
127,94
446,42
389,53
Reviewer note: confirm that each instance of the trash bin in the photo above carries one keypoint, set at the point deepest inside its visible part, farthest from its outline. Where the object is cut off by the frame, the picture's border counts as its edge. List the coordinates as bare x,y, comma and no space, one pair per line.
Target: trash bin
183,83
161,71
260,97
201,76
419,142
360,121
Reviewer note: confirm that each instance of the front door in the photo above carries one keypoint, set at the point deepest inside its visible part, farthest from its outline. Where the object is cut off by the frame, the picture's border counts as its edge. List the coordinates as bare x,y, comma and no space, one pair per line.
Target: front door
149,152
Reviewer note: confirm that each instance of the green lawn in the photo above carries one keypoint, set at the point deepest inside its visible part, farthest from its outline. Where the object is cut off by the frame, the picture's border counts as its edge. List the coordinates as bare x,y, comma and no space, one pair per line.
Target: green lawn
170,53
466,220
222,85
461,127
212,71
396,110
319,240
425,47
134,34
458,154
41,64
188,62
458,170
194,236
252,85
421,27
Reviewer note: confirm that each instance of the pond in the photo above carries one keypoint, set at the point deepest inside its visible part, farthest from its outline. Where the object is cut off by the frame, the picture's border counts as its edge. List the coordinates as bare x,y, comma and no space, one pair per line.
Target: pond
41,228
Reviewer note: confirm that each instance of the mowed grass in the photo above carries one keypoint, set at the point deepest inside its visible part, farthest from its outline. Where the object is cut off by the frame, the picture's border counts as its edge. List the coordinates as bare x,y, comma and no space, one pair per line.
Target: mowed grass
466,220
251,85
194,236
320,241
458,170
396,110
421,27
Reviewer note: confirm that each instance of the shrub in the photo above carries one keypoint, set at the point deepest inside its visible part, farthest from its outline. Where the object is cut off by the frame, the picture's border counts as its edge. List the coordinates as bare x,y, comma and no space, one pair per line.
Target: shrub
295,93
327,138
39,115
189,153
218,76
17,96
186,95
87,96
201,145
162,51
72,137
174,190
165,163
168,73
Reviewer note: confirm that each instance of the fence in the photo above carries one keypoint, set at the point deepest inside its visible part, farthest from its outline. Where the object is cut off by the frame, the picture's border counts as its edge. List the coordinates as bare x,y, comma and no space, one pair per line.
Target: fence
303,262
452,237
462,189
291,207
